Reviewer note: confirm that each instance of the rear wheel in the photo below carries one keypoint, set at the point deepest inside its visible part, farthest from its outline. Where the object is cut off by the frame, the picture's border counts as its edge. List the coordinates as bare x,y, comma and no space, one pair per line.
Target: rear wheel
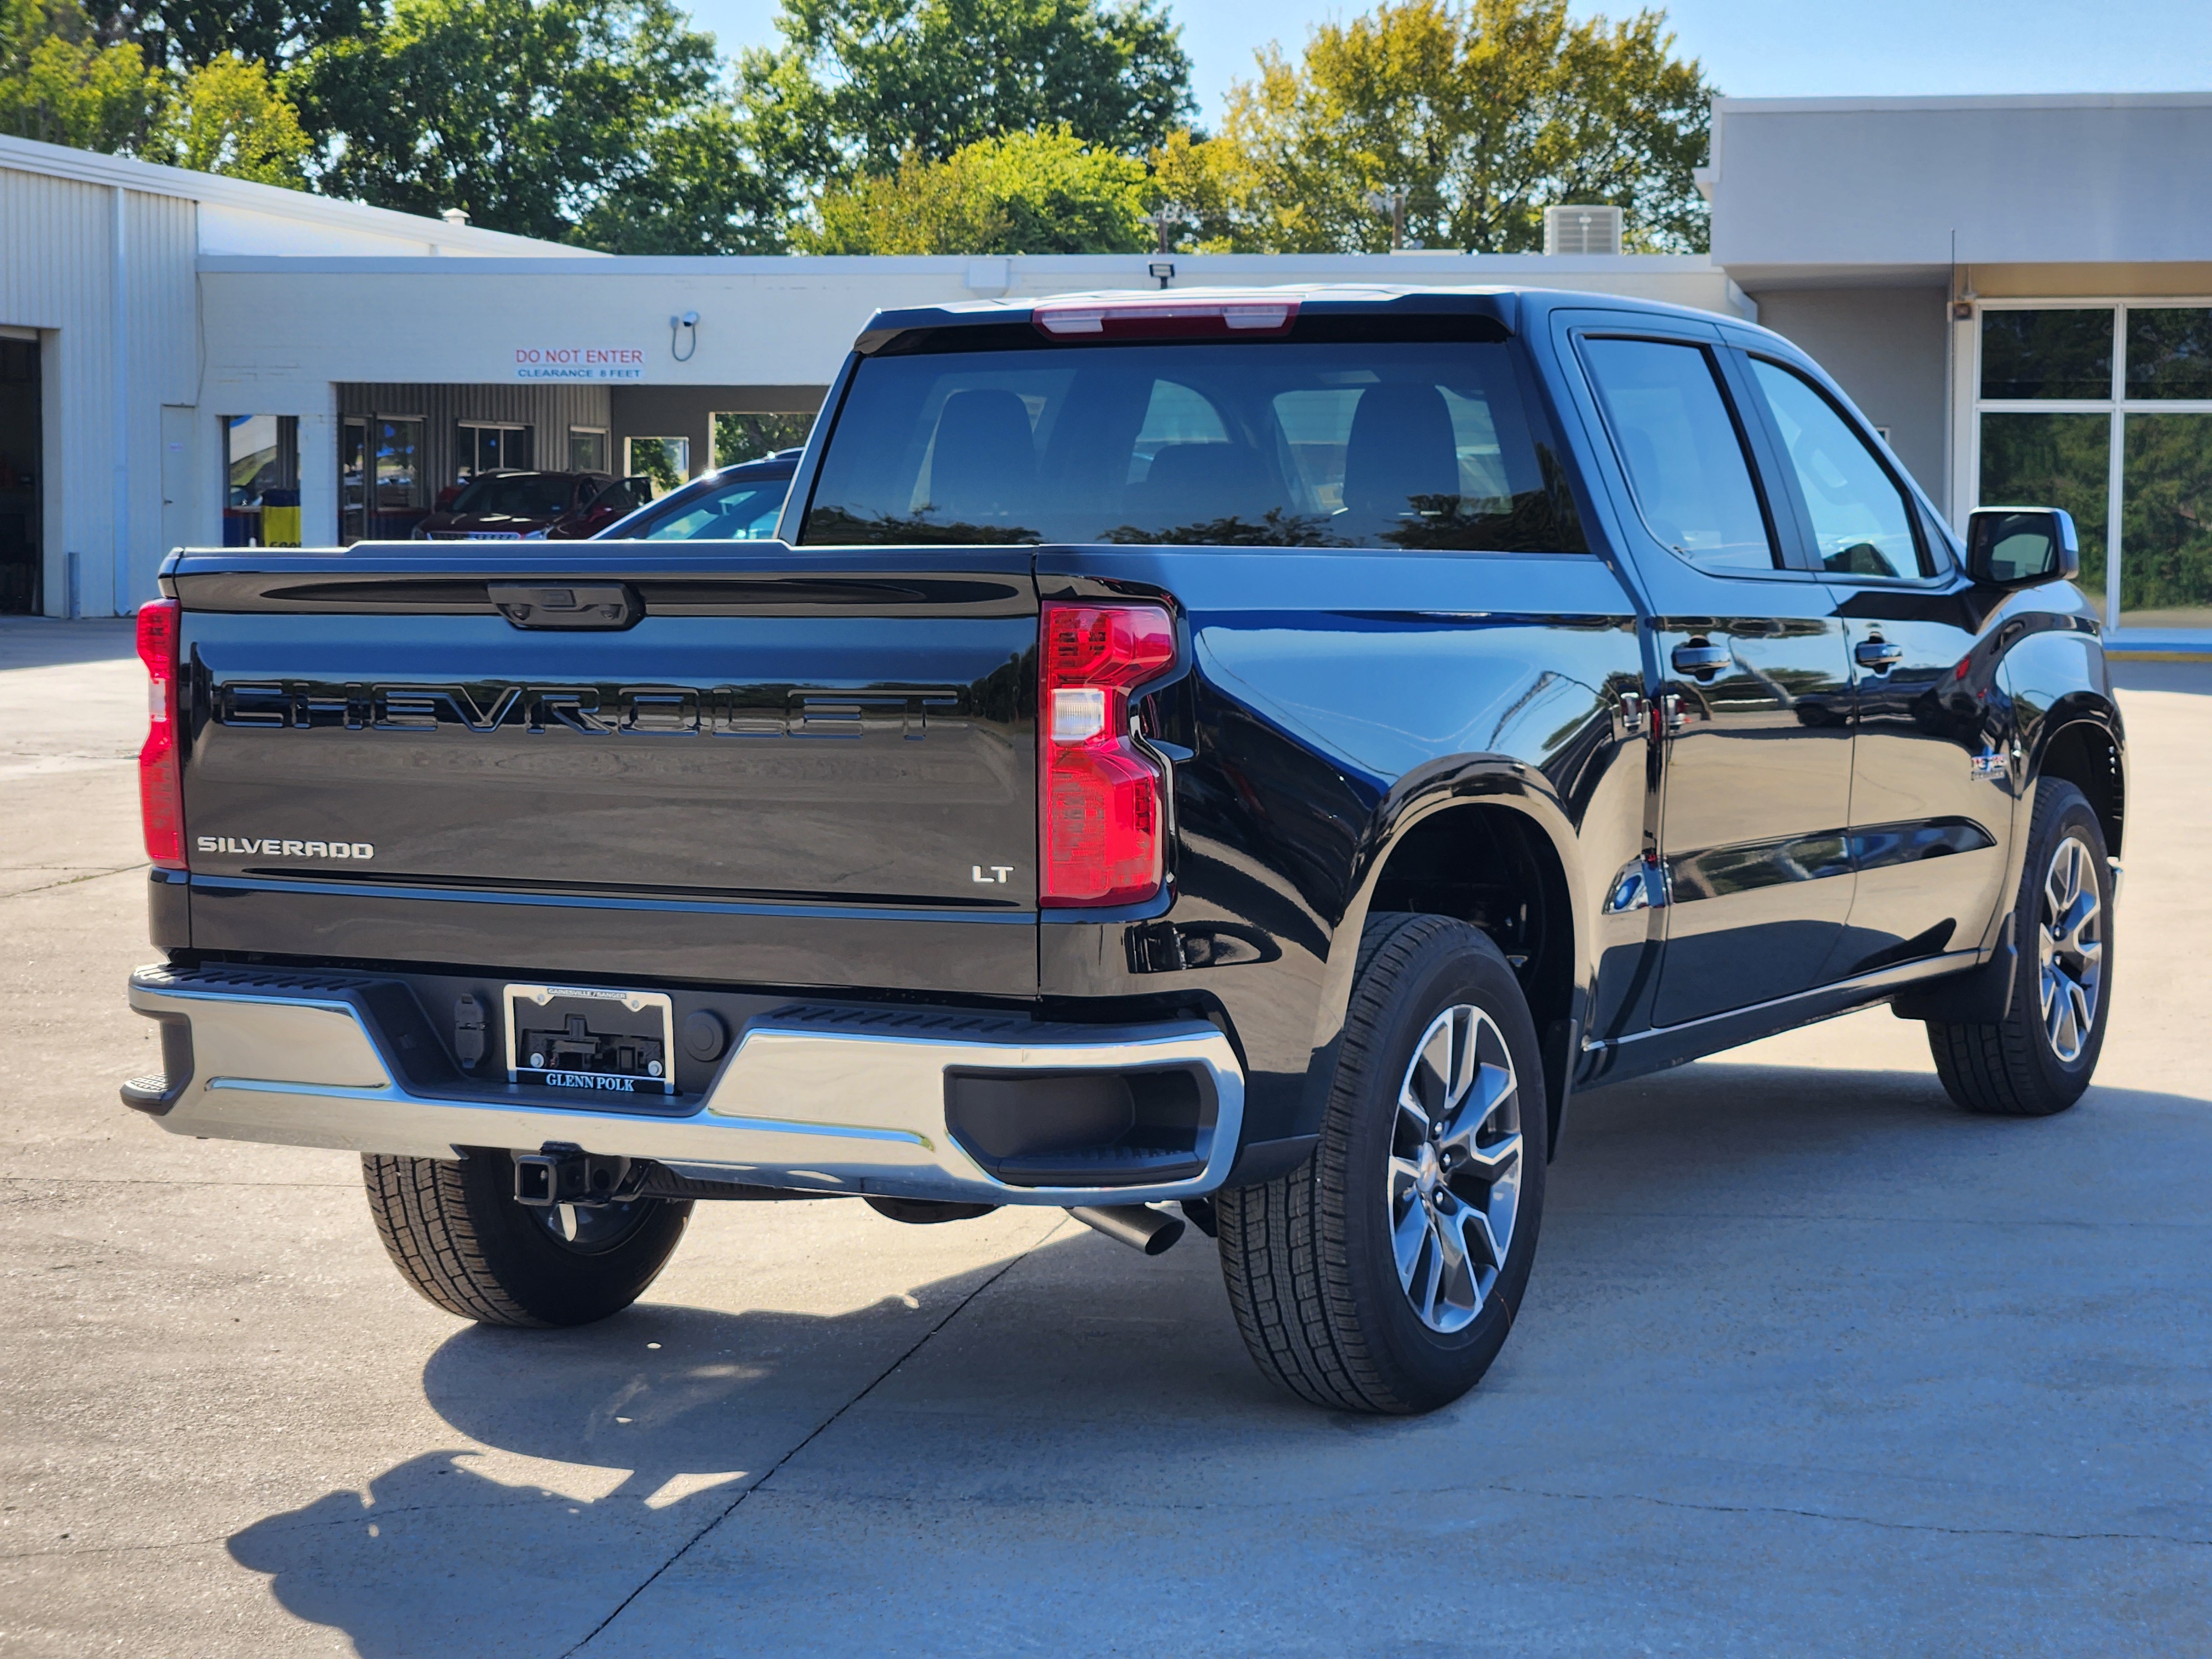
456,1234
1383,1274
2039,1057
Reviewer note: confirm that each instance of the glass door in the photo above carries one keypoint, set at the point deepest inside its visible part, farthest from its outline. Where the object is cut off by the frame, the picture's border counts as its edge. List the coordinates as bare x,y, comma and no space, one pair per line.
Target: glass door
353,481
398,499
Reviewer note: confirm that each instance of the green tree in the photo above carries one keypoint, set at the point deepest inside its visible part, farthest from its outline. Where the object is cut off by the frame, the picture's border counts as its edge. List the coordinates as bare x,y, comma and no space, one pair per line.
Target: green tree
859,85
695,190
183,35
1028,192
595,120
1214,183
59,84
227,116
748,435
655,459
1483,112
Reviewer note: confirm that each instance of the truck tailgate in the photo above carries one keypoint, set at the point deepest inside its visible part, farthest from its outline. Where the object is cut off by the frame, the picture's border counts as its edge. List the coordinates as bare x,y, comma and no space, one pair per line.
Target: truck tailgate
595,753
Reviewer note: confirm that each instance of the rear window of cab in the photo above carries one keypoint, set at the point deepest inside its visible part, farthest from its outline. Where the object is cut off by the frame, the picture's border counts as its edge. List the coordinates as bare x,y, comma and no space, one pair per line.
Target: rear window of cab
1333,443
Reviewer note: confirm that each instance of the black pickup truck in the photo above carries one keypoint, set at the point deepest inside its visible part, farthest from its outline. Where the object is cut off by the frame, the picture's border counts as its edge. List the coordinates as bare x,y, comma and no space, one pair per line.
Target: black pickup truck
1235,758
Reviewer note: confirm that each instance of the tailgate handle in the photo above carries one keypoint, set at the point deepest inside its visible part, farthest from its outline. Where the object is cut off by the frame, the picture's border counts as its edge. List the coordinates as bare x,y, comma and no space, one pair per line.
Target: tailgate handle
575,605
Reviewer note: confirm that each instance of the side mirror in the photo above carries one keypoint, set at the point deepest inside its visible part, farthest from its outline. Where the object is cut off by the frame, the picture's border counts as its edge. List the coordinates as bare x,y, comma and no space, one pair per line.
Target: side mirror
2021,546
446,496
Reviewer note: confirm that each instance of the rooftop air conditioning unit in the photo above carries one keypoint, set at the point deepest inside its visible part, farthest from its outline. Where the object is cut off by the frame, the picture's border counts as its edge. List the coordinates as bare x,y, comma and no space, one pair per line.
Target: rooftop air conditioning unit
1582,230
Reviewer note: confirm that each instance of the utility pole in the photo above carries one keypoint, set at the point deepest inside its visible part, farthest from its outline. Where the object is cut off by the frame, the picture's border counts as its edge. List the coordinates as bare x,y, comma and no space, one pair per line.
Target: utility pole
1391,206
1163,220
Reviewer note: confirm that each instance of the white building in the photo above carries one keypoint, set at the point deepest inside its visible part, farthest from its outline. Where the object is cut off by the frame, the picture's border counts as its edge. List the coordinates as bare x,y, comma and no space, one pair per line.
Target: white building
2018,290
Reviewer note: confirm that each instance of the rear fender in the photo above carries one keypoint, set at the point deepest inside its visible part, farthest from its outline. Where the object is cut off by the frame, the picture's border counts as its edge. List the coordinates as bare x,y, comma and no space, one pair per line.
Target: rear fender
1490,782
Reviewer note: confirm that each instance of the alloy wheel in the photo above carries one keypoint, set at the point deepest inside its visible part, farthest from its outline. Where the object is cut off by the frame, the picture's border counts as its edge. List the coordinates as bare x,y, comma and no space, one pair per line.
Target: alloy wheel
1455,1176
2071,948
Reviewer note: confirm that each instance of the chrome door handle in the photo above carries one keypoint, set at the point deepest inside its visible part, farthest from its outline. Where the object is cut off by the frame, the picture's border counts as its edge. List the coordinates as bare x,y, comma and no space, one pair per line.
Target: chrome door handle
1700,660
1879,654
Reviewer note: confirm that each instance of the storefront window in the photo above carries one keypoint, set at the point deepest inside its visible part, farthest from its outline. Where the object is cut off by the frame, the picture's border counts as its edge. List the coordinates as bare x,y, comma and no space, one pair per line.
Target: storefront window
747,436
2148,549
587,449
479,448
2053,461
2047,354
2166,522
261,474
2169,352
666,461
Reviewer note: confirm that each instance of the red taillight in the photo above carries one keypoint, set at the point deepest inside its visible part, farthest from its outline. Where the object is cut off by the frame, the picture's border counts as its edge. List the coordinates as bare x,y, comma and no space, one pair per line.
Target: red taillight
1099,813
161,788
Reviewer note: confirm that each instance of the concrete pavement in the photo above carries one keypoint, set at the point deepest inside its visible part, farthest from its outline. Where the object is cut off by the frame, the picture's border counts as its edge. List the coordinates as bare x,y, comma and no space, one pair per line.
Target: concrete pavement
1811,1363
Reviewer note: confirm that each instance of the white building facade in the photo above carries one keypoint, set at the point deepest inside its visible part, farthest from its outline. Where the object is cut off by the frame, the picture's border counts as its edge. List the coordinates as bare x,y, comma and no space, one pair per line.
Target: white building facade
2018,291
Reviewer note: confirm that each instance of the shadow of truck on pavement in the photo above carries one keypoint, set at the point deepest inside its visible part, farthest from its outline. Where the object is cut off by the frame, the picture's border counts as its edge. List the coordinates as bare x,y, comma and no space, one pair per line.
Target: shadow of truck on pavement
1753,1276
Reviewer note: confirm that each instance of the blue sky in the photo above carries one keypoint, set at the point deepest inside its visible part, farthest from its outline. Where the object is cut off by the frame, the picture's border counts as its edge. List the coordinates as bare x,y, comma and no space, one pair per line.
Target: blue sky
1773,48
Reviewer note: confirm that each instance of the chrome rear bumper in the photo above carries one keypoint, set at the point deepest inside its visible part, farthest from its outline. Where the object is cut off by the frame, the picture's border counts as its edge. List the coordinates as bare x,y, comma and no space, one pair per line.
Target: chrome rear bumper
817,1098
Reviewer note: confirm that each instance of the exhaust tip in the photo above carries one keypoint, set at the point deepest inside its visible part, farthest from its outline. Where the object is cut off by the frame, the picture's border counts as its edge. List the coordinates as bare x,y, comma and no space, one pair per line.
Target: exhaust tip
1138,1225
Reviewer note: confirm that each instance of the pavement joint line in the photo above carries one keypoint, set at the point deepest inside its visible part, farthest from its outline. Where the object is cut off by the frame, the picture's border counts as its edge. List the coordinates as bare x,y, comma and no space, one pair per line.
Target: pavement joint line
143,1181
123,1549
1378,1495
1855,1520
71,881
2039,1223
816,1433
369,1512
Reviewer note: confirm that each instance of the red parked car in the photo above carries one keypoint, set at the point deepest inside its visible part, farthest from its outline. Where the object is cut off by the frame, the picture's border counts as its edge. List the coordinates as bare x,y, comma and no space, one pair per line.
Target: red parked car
510,506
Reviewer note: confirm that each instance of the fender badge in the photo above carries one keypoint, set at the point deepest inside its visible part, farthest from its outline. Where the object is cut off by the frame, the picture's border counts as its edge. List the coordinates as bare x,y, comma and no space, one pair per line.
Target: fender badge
1990,764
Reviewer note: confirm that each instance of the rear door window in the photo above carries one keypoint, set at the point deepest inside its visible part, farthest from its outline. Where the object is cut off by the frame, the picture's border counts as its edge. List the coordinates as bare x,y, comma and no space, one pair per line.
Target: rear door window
1679,443
1292,444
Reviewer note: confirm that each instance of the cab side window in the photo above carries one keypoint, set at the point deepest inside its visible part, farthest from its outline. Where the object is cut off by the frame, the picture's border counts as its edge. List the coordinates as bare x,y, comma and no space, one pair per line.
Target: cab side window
1861,521
1682,451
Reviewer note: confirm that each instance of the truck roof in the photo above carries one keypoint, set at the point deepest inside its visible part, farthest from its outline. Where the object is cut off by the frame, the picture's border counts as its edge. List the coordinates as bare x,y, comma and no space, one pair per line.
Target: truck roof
1502,304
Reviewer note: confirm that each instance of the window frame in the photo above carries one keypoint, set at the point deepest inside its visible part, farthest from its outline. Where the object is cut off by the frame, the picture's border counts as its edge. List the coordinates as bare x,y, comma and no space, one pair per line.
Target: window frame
1753,438
1933,571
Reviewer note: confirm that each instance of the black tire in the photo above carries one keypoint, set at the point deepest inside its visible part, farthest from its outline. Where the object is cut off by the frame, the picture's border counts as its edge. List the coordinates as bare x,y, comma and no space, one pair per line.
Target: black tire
2015,1068
1309,1257
456,1234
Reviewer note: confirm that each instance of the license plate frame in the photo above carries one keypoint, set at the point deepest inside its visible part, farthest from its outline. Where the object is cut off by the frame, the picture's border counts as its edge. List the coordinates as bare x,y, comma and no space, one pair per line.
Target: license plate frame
618,1021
